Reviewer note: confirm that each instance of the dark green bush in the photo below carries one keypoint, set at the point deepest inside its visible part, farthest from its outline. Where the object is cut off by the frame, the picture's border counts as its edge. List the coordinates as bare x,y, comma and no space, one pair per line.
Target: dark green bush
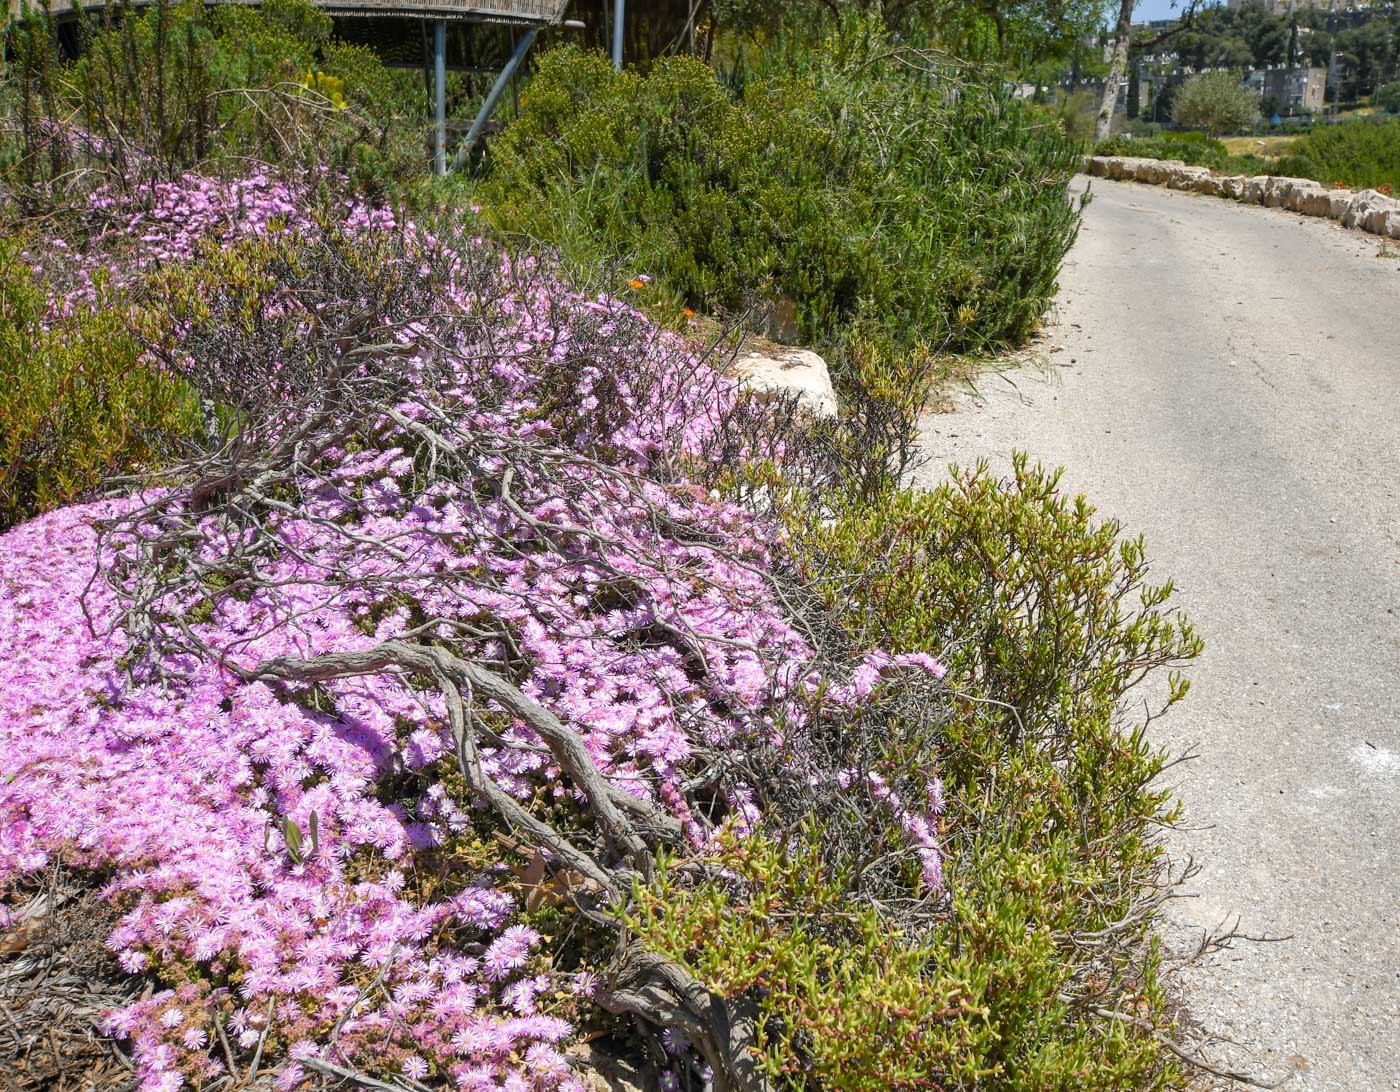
914,202
1196,139
1195,149
1294,165
76,402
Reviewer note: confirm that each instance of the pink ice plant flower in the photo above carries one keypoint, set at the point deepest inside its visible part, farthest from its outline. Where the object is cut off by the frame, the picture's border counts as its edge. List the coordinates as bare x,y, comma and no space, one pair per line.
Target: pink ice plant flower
182,793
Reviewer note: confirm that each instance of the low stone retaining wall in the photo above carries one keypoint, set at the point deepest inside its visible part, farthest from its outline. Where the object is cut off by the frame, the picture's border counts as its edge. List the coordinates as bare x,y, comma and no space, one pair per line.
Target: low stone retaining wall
1368,210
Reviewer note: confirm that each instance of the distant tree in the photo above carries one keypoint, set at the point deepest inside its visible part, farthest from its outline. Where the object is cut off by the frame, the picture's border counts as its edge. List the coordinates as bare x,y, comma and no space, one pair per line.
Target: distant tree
1317,49
1388,97
1369,51
1134,94
1215,102
1121,42
1162,97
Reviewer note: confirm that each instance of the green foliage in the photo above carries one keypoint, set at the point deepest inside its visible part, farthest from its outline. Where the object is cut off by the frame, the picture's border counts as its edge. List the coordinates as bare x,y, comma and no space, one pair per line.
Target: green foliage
1370,52
859,191
1046,619
1028,600
1294,165
845,1004
1076,113
77,403
1388,97
1359,153
1250,36
1194,149
1216,102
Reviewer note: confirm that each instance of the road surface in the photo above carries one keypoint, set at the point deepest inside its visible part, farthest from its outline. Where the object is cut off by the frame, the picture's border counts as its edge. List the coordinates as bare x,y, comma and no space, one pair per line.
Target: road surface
1226,380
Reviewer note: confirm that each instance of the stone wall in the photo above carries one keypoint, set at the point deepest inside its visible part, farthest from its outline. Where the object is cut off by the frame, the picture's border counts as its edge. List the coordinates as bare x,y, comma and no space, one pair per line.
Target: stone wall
1368,210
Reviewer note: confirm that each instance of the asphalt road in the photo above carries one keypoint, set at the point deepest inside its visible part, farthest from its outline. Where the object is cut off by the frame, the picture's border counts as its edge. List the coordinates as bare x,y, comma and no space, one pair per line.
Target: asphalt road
1226,380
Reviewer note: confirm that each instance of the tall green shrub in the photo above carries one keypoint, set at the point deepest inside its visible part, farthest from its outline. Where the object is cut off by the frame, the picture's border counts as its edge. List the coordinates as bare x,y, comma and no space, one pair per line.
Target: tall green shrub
168,88
918,202
1037,969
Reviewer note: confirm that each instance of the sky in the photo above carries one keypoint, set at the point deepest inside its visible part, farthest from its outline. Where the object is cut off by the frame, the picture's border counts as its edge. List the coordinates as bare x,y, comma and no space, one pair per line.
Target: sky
1144,10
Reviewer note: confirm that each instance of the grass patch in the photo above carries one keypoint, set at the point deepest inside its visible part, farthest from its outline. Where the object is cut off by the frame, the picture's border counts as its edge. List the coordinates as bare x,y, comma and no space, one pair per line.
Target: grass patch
1266,147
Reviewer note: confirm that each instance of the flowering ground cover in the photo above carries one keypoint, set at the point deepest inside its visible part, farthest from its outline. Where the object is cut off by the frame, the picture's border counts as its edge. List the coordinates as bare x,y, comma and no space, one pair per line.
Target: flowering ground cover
369,715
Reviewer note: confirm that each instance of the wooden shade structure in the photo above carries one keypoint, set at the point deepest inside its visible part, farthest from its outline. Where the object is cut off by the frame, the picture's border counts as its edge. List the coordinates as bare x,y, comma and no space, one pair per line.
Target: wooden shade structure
533,15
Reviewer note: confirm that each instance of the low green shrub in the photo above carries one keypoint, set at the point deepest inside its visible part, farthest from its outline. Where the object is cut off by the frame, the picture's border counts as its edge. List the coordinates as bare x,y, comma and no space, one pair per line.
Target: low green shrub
856,190
1295,165
1193,138
1047,619
77,404
1202,152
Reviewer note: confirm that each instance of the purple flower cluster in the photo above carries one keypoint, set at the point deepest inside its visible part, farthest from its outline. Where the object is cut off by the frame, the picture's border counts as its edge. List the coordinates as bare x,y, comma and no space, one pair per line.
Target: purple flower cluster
253,846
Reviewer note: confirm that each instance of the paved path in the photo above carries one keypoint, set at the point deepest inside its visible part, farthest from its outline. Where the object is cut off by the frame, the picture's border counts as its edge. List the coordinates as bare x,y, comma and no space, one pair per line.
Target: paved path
1226,380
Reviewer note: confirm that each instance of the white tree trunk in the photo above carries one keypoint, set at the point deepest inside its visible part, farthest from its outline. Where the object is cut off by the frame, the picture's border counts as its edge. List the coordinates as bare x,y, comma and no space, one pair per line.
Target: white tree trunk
1117,66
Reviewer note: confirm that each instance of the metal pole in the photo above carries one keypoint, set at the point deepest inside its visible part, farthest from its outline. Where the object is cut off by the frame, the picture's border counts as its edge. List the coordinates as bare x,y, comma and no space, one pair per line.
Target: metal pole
617,33
440,96
493,97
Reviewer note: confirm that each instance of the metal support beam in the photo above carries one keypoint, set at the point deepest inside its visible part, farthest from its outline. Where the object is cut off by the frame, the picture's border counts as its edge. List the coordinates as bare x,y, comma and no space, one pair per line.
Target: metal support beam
493,97
617,33
440,97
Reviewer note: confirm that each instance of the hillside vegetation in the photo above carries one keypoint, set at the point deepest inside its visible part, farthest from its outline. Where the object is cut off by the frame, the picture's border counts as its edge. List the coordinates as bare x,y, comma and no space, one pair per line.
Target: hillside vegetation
430,669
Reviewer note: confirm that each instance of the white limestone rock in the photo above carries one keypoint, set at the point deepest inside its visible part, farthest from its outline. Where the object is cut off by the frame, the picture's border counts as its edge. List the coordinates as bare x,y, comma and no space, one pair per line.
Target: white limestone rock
778,371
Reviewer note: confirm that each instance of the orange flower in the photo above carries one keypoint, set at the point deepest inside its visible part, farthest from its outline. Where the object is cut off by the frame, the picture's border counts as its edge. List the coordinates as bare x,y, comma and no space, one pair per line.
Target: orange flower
637,284
689,313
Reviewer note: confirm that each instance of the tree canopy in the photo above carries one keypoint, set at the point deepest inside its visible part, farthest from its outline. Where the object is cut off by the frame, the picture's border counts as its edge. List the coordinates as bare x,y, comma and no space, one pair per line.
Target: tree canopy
1216,102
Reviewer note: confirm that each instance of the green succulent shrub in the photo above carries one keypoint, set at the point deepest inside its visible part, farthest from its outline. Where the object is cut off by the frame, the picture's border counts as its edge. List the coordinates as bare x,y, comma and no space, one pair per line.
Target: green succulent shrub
1038,969
927,205
77,402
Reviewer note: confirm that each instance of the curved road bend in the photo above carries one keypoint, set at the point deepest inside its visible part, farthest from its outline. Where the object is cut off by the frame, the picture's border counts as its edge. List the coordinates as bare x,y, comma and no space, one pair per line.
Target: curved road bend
1226,380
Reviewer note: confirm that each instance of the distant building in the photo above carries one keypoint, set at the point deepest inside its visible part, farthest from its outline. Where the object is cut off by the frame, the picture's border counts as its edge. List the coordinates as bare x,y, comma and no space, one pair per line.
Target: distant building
1297,90
1283,7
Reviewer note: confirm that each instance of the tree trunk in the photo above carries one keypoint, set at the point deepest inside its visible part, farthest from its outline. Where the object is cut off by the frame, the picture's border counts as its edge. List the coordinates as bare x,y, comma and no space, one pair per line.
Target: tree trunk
1116,67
